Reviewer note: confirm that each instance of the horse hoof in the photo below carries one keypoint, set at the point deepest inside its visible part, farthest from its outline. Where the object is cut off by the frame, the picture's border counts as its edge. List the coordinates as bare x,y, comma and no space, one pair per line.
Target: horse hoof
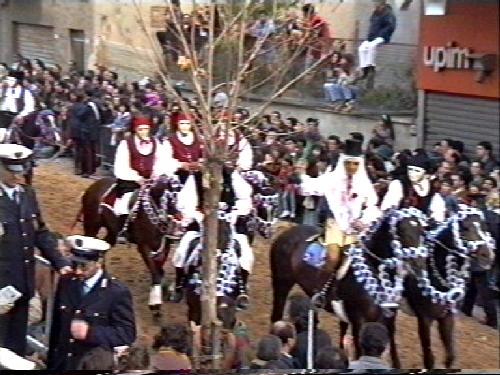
121,240
155,309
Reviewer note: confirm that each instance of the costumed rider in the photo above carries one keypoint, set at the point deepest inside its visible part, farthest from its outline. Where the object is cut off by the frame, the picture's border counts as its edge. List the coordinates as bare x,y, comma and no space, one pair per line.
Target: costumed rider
138,159
351,199
237,198
16,102
415,189
188,152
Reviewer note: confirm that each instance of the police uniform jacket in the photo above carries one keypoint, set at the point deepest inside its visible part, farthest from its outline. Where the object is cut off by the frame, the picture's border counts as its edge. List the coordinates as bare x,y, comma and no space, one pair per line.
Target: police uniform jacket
108,310
21,230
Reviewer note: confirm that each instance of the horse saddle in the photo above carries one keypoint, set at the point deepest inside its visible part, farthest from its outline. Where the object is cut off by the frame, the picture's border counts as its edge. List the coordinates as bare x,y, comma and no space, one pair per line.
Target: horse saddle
110,197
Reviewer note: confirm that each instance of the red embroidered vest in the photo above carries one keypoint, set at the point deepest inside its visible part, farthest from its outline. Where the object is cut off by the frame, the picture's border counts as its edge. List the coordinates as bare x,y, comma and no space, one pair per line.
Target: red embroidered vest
143,164
185,153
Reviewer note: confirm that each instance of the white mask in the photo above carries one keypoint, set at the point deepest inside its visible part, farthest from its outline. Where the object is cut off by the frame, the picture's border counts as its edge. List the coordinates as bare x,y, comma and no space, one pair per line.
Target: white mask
415,174
11,81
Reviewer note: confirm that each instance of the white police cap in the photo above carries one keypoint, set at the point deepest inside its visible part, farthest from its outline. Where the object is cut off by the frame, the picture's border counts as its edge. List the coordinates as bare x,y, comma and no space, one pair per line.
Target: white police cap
86,248
14,157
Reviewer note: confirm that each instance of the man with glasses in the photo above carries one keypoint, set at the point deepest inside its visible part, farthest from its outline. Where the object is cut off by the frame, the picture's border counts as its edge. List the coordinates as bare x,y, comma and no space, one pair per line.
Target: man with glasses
92,310
21,230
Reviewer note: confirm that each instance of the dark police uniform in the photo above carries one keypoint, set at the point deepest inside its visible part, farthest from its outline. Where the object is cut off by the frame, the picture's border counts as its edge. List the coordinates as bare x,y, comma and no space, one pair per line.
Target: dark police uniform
108,310
21,230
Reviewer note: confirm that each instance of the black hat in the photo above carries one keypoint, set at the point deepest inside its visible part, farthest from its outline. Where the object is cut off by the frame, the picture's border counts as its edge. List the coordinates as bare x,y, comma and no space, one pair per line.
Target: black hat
421,161
14,157
86,249
357,136
353,148
17,74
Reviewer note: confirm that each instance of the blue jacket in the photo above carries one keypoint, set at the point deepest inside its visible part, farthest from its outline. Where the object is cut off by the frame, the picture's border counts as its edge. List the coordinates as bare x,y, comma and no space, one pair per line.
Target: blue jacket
382,24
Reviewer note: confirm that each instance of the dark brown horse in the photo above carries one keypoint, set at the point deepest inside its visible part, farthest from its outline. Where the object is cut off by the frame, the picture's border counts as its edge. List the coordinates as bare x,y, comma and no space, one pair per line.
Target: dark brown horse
288,268
436,283
150,225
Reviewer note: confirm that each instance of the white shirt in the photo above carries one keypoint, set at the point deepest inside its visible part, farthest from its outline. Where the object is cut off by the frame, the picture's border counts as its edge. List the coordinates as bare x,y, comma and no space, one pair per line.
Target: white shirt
164,163
90,282
10,190
9,102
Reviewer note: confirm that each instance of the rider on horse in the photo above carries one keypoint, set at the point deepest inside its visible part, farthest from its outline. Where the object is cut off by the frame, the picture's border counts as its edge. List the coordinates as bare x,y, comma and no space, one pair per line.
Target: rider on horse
138,159
351,198
187,150
237,195
415,189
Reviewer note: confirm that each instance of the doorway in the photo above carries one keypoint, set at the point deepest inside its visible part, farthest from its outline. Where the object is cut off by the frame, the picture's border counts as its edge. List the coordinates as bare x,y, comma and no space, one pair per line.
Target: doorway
78,49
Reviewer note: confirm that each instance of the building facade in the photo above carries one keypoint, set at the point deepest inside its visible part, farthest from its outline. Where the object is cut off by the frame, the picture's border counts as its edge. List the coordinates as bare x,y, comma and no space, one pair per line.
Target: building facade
458,77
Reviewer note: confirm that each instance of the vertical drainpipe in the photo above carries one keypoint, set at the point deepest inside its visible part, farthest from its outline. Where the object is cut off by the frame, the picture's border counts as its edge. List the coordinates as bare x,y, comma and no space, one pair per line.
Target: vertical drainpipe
421,98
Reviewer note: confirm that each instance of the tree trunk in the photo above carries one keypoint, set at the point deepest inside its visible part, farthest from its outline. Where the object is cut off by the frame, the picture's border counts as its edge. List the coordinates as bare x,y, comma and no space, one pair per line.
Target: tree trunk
209,321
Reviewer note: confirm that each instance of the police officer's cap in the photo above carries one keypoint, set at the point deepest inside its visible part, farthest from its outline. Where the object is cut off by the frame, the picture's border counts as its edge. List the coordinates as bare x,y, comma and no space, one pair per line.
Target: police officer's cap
86,249
14,157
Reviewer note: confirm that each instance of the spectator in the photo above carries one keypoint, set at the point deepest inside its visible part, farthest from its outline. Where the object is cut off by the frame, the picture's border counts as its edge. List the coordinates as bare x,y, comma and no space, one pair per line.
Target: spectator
342,93
286,333
268,349
319,32
334,145
477,172
373,340
172,348
330,358
484,153
384,131
382,26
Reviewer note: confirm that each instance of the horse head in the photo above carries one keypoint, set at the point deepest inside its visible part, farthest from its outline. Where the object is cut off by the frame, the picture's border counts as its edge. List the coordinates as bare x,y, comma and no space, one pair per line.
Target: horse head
472,236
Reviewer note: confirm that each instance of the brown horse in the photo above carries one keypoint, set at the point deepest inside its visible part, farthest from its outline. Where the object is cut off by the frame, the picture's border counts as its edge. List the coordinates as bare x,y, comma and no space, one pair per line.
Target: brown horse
288,268
150,225
436,283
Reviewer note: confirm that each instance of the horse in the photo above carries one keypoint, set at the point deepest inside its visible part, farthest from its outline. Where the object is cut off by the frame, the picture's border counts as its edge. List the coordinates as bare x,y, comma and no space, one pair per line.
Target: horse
228,285
436,280
151,225
361,293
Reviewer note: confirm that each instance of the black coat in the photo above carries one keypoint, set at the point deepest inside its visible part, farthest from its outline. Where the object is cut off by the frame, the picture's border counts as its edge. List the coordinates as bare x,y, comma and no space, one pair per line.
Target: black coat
382,24
21,230
83,123
108,310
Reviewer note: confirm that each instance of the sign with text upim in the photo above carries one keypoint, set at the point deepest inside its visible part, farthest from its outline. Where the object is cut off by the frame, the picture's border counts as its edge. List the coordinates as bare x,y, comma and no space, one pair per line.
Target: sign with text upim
449,57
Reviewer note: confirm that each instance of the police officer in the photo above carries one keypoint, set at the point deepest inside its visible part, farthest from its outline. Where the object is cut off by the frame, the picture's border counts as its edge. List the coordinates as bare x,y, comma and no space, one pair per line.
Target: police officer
21,230
91,310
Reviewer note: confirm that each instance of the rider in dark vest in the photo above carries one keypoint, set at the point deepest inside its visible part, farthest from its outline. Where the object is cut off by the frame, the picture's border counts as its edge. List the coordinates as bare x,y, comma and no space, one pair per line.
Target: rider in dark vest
415,189
15,101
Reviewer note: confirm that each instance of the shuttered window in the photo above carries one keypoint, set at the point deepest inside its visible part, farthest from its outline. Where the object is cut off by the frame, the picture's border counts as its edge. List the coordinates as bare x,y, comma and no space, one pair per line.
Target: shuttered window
35,42
466,119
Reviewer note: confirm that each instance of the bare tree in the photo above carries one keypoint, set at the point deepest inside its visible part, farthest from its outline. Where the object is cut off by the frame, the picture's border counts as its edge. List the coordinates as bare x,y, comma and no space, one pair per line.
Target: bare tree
226,24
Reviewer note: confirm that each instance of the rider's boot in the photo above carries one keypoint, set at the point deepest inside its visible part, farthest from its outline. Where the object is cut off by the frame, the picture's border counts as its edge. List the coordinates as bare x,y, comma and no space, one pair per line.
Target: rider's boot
243,300
178,292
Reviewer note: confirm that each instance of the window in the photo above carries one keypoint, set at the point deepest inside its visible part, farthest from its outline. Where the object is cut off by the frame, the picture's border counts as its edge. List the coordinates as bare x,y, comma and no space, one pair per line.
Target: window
435,7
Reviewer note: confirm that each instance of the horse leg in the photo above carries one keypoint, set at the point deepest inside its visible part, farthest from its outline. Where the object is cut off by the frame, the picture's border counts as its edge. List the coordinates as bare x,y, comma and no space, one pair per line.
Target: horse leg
356,328
344,326
281,288
390,323
424,333
445,326
155,293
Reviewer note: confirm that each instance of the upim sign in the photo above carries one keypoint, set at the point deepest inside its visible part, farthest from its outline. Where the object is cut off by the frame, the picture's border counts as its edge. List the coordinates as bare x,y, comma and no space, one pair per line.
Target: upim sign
449,57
